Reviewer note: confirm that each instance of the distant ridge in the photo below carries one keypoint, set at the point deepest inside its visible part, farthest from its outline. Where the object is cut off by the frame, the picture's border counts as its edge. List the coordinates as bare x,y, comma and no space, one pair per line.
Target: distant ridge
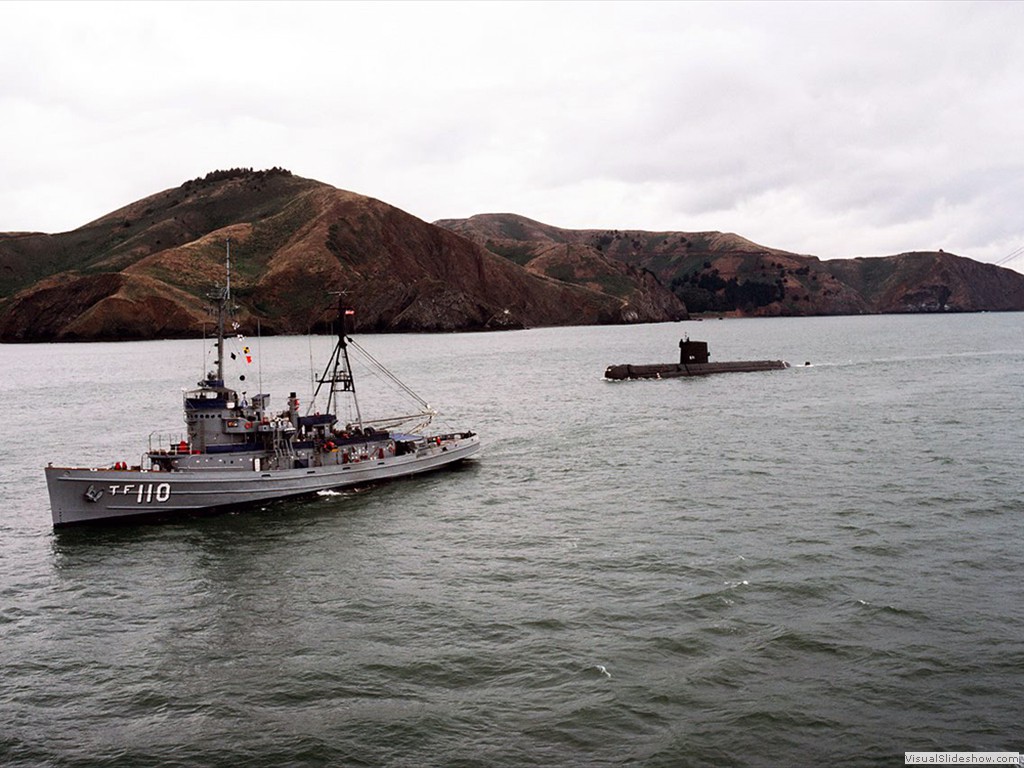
725,273
143,271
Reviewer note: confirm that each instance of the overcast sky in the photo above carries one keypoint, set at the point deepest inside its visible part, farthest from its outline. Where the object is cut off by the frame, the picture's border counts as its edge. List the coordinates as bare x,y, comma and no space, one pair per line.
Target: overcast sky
832,129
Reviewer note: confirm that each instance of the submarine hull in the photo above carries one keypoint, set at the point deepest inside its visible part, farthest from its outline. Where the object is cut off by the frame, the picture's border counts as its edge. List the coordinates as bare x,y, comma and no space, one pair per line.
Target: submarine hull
678,370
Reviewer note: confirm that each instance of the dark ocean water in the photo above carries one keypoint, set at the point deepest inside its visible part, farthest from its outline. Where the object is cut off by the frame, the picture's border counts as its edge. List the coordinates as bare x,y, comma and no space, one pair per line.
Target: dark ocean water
814,566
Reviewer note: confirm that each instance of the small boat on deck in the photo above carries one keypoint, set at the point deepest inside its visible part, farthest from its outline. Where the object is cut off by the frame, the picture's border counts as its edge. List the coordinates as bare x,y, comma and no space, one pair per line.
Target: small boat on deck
694,360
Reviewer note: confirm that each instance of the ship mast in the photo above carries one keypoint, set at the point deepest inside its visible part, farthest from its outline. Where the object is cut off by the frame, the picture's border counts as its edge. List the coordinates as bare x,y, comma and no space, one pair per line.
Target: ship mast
338,372
223,300
222,297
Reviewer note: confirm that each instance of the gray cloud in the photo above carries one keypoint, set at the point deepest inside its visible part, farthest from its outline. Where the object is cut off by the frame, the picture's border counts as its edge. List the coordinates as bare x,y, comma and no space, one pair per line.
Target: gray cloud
837,129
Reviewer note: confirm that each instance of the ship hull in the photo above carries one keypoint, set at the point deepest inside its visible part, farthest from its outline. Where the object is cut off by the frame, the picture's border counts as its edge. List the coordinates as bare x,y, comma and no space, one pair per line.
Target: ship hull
677,370
82,495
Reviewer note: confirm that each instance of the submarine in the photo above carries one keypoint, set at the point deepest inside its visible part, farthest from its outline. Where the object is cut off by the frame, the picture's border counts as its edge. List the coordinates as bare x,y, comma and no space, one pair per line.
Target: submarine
694,360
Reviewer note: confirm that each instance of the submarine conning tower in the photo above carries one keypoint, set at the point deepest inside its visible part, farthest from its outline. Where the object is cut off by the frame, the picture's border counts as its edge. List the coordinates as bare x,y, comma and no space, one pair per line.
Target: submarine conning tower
693,352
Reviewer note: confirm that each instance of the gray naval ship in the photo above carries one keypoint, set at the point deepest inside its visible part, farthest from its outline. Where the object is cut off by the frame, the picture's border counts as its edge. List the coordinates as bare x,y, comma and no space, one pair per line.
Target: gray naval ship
240,451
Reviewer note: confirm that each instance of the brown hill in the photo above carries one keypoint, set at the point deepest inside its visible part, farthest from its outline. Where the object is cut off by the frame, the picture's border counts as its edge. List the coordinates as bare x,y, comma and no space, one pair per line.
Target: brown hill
144,271
722,272
930,282
570,257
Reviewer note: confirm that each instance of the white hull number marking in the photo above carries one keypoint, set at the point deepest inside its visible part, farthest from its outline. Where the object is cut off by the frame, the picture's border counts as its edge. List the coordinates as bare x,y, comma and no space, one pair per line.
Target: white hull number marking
144,492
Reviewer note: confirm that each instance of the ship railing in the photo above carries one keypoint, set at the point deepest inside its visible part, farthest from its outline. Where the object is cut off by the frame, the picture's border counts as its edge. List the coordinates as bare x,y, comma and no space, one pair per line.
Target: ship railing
169,444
